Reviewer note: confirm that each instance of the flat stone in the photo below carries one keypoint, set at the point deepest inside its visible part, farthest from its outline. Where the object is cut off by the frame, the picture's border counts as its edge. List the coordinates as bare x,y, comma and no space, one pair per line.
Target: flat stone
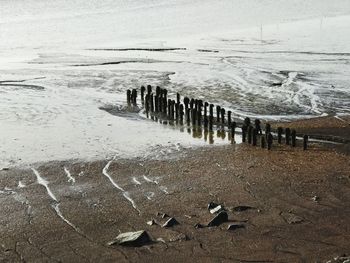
235,226
171,222
291,218
220,218
132,239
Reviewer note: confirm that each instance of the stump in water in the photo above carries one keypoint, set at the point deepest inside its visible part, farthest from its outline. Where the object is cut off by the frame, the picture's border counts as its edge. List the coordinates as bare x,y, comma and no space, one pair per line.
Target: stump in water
279,134
218,109
244,132
269,141
294,138
287,136
250,128
305,141
223,116
128,96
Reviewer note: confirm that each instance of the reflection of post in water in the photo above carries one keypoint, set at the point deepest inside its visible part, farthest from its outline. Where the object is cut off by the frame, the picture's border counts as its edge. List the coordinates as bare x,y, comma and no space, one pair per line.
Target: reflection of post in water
211,137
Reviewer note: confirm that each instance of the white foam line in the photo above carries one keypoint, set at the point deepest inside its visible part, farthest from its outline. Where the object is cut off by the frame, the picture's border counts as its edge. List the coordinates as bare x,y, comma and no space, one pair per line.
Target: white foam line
127,196
104,171
70,177
44,183
125,193
149,180
59,213
136,181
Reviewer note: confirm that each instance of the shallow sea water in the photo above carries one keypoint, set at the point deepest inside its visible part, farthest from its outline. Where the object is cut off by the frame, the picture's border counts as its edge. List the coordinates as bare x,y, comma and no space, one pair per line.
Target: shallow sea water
272,60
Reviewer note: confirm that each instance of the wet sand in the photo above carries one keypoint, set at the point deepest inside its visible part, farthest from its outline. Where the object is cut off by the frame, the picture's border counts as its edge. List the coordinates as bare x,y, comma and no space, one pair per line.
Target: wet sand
69,211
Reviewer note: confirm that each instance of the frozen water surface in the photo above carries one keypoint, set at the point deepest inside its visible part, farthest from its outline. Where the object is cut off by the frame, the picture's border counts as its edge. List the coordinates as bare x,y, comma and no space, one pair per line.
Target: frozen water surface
62,61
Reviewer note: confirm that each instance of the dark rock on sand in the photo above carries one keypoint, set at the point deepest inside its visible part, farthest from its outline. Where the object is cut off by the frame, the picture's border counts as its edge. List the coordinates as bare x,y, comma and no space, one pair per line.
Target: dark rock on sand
220,218
171,222
235,226
132,239
241,208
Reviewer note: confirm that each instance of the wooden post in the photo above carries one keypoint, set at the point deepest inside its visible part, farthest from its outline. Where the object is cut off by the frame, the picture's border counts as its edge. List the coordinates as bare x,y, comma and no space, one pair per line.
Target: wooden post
151,102
158,91
188,119
305,141
244,132
211,123
233,129
263,142
164,104
147,103
191,104
287,136
128,96
177,111
173,109
199,113
149,89
206,104
169,108
143,92
194,115
247,121
269,141
250,133
178,98
206,123
222,115
267,130
229,118
254,136
218,109
186,102
279,134
181,113
257,123
294,138
211,110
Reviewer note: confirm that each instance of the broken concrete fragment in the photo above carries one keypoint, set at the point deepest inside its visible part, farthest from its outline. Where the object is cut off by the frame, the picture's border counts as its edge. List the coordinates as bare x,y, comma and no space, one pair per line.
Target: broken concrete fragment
217,209
151,222
235,226
132,239
162,215
212,205
171,222
220,218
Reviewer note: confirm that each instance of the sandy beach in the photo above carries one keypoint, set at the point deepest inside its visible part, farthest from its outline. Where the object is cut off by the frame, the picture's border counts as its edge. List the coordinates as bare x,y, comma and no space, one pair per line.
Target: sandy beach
293,206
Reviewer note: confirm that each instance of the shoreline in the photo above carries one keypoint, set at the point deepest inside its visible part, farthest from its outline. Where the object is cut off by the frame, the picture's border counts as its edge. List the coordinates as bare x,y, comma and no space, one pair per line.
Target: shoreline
68,211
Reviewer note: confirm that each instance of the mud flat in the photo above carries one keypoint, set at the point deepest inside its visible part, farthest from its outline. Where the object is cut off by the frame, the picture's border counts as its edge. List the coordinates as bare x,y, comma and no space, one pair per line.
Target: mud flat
294,206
